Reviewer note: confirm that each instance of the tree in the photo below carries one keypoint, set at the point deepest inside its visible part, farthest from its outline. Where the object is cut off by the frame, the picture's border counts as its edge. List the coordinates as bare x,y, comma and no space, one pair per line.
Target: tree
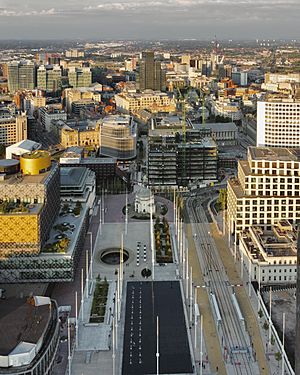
278,357
222,199
266,326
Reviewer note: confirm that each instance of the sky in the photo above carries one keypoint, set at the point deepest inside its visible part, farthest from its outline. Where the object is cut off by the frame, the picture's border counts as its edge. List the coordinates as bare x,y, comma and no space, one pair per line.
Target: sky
149,19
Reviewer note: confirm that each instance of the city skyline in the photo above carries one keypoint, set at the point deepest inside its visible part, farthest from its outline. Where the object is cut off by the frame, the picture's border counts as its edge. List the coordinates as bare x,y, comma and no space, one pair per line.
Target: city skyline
148,19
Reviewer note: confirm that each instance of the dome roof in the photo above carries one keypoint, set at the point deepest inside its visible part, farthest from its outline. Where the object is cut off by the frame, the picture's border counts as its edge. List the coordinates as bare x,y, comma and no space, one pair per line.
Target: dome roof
144,193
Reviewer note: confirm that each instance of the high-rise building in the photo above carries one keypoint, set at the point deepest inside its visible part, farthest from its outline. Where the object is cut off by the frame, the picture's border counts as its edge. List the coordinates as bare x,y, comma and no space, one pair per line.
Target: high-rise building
80,77
74,53
151,75
278,122
118,137
49,78
21,75
173,162
13,129
297,341
266,189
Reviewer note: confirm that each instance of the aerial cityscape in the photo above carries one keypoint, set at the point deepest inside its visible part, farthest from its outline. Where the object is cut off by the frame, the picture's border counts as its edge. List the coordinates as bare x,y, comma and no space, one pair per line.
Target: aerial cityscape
149,187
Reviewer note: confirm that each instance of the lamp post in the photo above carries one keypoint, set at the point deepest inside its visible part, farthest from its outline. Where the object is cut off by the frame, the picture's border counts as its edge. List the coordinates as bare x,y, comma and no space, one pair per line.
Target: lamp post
87,273
201,344
69,346
82,294
91,256
76,318
283,340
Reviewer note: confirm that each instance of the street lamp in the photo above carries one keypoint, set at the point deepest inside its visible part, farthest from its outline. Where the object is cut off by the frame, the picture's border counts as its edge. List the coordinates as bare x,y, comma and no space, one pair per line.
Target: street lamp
91,252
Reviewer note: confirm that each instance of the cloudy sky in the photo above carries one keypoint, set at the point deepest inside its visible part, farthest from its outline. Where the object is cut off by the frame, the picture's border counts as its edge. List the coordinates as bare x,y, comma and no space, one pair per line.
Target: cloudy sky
149,19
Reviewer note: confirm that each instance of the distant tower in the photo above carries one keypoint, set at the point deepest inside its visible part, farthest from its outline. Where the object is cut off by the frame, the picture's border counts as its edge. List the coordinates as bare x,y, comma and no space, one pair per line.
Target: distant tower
151,75
297,343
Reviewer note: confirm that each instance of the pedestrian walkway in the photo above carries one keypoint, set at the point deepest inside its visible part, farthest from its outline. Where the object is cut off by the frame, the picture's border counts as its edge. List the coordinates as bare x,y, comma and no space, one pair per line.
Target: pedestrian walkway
214,354
246,307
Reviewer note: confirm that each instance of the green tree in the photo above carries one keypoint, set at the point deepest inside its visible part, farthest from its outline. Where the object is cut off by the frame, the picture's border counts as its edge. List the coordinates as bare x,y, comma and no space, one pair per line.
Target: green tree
278,357
222,199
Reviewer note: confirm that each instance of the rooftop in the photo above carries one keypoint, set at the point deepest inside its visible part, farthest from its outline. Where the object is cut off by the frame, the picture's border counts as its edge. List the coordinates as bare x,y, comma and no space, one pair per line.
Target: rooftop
72,176
266,244
217,126
272,153
22,321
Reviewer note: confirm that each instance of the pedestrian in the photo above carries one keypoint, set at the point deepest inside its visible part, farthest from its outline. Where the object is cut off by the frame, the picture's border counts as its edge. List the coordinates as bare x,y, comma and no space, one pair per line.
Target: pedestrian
217,369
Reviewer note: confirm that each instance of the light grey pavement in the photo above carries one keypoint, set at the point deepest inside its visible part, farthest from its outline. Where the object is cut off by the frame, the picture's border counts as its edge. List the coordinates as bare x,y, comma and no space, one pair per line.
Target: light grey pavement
91,355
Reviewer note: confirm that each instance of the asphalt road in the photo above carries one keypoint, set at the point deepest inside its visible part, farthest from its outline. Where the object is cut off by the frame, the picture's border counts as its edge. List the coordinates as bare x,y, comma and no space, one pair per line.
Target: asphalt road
144,302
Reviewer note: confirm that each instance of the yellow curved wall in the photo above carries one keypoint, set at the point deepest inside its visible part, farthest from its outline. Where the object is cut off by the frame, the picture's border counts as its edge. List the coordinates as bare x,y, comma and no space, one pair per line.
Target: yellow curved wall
33,166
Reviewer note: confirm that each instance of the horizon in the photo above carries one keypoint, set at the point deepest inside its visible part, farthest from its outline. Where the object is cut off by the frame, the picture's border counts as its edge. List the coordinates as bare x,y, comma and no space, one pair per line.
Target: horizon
150,20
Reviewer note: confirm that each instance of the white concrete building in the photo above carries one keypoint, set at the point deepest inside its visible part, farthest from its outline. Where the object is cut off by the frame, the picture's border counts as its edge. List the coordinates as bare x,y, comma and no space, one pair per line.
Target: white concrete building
144,200
16,150
226,108
278,122
48,114
269,253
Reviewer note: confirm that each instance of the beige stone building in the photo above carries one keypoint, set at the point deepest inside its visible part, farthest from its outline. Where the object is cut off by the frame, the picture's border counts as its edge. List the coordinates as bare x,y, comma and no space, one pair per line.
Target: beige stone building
13,129
266,189
154,101
89,136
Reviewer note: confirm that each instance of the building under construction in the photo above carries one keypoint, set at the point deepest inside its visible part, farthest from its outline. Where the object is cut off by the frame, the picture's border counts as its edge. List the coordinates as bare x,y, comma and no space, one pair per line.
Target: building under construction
179,156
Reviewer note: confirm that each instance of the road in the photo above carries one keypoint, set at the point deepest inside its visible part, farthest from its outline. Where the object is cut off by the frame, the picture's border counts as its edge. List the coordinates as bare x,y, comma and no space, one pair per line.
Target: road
234,339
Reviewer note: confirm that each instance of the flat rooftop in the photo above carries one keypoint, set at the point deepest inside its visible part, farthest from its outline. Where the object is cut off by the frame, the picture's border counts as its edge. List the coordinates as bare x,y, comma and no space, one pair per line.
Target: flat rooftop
273,154
217,126
279,241
21,321
144,302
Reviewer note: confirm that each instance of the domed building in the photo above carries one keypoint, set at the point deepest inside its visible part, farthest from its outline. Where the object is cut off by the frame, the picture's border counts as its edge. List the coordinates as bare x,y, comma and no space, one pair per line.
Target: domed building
144,200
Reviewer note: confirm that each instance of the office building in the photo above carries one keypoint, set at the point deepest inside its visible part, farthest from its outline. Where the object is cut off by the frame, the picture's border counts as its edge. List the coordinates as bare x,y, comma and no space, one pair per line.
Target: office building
154,101
266,189
82,95
173,162
13,129
78,185
79,77
109,175
74,53
278,122
49,78
21,76
31,339
223,133
227,108
240,78
31,101
297,341
269,252
151,75
49,114
118,137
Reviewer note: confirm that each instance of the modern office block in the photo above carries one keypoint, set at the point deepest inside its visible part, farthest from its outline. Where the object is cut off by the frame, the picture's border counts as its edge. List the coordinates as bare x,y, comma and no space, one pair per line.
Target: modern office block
266,189
278,122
